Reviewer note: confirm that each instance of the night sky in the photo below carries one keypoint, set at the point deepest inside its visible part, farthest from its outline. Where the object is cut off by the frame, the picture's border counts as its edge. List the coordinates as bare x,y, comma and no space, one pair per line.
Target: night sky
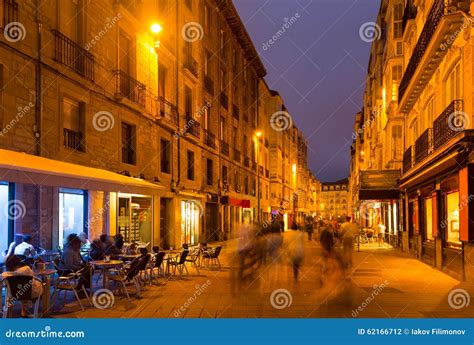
318,66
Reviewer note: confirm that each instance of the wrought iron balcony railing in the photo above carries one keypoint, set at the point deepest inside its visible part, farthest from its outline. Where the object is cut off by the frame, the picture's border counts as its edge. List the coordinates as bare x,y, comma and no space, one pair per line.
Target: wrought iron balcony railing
209,84
451,122
236,155
235,112
424,145
130,88
191,65
167,110
10,12
193,127
73,140
72,55
408,159
436,13
224,148
224,100
210,139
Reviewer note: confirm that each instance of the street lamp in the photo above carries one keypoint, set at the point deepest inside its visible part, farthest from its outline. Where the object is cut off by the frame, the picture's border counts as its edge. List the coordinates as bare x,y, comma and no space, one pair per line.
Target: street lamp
258,134
156,28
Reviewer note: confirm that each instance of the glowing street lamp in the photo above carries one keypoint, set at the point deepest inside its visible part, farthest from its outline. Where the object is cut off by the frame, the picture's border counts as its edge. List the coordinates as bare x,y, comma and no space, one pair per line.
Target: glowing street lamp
156,28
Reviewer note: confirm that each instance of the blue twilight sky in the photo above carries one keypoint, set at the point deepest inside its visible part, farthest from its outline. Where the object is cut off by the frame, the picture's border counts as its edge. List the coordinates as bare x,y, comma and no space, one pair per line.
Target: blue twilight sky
318,66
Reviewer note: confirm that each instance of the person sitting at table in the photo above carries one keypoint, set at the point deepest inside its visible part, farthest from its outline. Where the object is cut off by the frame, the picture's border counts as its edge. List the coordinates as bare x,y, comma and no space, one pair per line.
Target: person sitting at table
16,267
109,247
25,248
72,260
97,250
11,248
119,242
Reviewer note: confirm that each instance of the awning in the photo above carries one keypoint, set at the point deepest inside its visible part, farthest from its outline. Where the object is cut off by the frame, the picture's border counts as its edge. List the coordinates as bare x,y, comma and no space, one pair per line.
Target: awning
379,185
29,169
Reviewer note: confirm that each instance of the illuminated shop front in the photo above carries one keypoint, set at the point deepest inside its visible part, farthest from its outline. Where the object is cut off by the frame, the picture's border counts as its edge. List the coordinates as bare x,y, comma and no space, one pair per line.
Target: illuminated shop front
135,218
72,213
5,225
191,212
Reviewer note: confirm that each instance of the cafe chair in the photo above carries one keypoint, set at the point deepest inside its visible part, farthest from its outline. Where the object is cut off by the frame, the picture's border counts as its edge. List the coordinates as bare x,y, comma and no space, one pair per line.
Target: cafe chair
70,282
193,258
211,257
179,263
19,289
126,275
156,264
143,268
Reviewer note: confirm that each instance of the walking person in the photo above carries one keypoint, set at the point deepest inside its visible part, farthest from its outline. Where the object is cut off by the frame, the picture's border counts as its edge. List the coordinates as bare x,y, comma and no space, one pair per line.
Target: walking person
349,231
309,228
296,251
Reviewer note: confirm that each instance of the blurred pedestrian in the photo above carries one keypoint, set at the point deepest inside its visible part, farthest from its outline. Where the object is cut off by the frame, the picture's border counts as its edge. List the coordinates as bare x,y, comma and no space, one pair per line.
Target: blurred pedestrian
327,239
309,230
296,251
349,231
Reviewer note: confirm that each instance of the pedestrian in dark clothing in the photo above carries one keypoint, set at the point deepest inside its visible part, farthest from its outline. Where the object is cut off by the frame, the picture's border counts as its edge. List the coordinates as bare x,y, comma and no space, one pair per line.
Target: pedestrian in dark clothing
327,239
309,230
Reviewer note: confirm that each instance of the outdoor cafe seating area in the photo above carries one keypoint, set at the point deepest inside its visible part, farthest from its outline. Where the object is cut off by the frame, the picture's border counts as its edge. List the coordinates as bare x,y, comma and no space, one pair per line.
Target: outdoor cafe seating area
123,275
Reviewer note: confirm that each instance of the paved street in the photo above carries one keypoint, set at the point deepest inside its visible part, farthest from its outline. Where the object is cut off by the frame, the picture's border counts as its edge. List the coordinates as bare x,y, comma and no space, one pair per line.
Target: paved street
383,283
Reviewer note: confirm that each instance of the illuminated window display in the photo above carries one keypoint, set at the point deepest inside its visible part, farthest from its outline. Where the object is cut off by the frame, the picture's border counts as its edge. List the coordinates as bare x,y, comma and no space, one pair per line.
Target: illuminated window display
190,214
3,217
71,213
135,218
429,218
452,220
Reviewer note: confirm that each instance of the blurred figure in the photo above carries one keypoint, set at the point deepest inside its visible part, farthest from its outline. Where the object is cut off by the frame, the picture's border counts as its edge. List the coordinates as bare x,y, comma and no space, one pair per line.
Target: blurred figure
86,244
309,228
11,248
349,231
327,239
296,251
25,248
72,260
274,241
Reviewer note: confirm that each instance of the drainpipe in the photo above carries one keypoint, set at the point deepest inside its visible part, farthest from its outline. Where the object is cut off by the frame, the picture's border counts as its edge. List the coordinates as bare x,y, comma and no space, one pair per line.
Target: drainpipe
177,98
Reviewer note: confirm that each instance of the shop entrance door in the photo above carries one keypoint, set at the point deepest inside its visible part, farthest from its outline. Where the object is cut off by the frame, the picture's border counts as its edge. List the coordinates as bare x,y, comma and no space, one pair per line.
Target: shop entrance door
190,217
212,222
165,215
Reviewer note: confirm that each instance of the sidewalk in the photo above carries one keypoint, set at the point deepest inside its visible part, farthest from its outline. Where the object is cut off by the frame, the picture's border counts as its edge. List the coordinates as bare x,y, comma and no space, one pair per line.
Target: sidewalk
382,283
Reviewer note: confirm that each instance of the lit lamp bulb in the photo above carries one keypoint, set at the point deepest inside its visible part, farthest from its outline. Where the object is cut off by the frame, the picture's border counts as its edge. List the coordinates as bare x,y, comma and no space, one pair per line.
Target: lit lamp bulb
156,28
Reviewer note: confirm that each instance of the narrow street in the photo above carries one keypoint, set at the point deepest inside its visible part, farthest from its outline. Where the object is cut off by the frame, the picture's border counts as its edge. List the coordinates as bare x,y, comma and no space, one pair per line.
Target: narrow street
383,283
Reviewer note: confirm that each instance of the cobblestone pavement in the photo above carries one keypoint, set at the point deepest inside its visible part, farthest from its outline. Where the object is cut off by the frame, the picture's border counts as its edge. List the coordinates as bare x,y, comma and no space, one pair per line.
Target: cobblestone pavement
383,282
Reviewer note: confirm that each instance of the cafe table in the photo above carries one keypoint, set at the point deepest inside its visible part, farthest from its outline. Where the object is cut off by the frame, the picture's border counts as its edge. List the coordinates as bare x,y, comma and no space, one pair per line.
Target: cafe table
45,275
105,266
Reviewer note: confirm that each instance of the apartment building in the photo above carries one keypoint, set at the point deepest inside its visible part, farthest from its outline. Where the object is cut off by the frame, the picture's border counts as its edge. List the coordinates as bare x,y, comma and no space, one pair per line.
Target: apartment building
334,200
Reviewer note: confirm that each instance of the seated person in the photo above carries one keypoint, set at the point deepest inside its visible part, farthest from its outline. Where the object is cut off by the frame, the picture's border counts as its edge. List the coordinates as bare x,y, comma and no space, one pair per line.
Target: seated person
26,248
72,259
109,247
97,250
13,245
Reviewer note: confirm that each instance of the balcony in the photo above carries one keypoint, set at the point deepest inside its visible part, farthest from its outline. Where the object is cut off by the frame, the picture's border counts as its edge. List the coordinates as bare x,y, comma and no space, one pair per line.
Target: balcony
210,139
408,14
424,145
167,110
73,140
444,127
429,51
236,155
224,148
246,162
193,127
235,112
191,65
128,87
10,12
408,159
224,100
72,55
209,84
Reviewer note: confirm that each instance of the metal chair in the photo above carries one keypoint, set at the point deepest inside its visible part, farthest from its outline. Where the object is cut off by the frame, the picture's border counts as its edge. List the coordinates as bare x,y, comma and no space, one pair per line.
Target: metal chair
70,282
19,289
211,257
126,275
179,263
157,263
193,258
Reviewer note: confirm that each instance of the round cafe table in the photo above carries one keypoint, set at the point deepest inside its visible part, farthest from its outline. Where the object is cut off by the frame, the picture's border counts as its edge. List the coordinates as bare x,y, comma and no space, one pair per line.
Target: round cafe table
105,266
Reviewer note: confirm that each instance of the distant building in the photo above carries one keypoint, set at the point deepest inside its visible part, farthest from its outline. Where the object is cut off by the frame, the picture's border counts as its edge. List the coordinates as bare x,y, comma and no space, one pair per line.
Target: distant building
334,197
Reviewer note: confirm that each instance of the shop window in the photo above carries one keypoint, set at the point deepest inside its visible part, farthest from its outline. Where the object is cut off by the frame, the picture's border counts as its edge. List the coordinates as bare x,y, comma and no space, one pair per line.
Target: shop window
429,218
209,172
190,170
165,158
452,217
190,215
128,144
72,213
135,218
4,221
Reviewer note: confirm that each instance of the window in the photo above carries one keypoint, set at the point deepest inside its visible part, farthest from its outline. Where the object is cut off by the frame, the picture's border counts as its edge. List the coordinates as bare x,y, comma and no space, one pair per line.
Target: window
397,144
209,172
397,21
246,185
207,19
190,169
414,131
429,113
452,217
125,54
162,75
245,146
396,77
207,117
128,143
224,174
453,85
188,102
235,136
429,218
222,128
165,158
73,123
5,233
71,18
223,80
71,213
207,62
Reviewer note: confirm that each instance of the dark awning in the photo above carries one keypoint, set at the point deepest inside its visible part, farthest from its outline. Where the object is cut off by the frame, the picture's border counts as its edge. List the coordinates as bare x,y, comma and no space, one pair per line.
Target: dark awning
379,185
